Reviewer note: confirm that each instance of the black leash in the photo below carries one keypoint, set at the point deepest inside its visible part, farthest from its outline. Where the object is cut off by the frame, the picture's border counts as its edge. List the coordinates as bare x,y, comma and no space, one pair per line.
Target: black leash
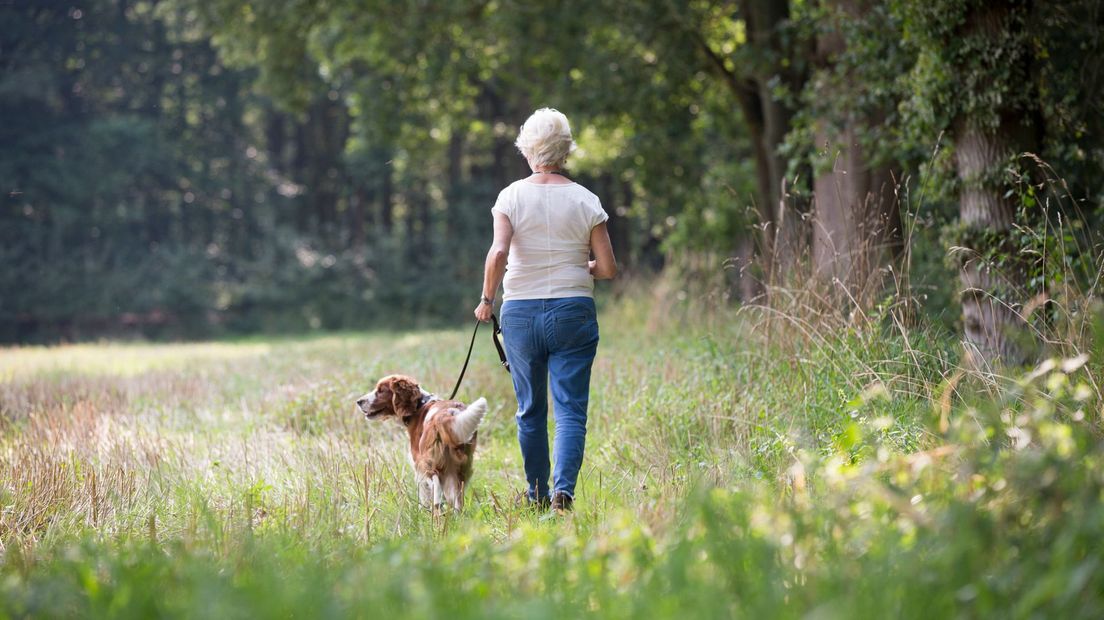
498,346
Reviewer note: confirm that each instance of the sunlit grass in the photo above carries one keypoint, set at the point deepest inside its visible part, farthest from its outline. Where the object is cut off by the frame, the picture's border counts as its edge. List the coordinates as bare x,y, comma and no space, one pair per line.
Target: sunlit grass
734,466
117,359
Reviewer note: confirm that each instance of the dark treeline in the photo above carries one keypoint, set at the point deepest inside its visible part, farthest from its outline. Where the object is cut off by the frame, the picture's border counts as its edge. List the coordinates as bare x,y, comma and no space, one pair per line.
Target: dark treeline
193,168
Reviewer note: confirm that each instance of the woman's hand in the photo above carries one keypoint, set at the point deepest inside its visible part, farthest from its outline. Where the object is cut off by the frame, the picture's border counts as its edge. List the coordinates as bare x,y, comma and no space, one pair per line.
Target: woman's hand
483,311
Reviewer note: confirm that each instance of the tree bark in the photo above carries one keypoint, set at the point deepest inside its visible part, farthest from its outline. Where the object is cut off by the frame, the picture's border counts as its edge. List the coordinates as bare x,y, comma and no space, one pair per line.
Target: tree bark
856,220
990,295
990,314
856,223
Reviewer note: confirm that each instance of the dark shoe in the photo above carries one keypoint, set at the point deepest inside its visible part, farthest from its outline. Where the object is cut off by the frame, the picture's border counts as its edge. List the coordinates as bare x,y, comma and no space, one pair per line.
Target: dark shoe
562,502
540,505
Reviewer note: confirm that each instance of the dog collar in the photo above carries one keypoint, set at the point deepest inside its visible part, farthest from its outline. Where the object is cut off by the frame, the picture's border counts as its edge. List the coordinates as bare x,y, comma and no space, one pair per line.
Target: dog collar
426,399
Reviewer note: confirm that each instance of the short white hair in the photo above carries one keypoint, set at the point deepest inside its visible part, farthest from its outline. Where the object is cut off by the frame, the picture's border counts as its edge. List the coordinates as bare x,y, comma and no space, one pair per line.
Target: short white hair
545,138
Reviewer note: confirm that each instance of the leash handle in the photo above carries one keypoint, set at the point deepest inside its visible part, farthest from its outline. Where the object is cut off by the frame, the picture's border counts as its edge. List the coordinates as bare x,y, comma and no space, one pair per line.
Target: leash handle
471,345
498,345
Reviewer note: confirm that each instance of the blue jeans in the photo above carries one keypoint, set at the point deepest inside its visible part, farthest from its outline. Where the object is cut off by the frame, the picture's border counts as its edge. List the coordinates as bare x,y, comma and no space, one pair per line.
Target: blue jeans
557,339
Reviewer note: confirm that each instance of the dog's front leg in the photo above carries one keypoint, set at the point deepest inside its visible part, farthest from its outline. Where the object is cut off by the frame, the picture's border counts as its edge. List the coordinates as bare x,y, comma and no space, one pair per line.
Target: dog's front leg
425,491
438,494
454,492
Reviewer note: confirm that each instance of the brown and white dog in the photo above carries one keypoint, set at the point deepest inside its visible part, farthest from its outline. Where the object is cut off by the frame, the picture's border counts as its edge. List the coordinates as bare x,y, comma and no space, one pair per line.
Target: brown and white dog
442,436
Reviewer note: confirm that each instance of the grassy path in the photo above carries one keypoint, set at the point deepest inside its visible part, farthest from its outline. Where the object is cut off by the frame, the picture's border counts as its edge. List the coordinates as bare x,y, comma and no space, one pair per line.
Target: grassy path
235,478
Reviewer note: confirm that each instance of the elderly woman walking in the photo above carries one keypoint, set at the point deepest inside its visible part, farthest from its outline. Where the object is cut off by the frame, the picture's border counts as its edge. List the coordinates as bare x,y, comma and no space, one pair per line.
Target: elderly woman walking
545,229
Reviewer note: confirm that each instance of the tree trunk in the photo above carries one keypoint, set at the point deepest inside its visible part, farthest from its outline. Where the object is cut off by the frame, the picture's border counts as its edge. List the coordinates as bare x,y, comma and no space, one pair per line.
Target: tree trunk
856,223
619,222
454,186
299,172
856,220
506,163
276,140
387,194
990,313
419,226
992,294
767,119
776,67
357,201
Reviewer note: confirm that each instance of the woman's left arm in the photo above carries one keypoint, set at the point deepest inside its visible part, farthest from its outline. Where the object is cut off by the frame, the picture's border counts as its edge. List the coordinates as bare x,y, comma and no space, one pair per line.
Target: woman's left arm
495,266
604,265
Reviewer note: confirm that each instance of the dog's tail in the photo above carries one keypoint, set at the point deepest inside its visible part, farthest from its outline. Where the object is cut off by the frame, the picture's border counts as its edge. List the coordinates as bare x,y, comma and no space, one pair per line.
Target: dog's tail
465,422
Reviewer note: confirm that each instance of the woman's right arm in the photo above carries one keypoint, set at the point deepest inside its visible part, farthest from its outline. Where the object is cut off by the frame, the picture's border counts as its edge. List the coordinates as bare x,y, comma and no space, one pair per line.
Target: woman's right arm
604,265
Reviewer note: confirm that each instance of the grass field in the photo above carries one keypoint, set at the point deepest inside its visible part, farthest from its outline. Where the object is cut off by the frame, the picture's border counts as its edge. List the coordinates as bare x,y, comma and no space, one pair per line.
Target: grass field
738,464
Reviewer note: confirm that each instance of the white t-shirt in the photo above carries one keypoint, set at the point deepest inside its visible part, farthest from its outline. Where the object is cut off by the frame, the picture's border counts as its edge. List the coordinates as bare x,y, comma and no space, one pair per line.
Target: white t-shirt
551,243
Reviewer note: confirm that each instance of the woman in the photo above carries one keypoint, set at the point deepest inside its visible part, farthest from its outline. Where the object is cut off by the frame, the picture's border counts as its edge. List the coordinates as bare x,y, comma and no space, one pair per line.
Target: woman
545,228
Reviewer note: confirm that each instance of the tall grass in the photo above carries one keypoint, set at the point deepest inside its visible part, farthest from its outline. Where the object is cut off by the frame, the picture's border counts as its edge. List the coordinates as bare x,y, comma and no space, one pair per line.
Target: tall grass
757,462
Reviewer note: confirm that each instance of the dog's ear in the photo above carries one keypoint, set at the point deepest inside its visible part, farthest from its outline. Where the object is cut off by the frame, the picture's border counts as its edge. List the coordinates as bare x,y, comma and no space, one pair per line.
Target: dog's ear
405,395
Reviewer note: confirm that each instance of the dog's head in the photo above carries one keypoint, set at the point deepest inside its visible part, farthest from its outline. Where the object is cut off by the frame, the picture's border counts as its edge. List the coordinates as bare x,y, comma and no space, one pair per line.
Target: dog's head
395,395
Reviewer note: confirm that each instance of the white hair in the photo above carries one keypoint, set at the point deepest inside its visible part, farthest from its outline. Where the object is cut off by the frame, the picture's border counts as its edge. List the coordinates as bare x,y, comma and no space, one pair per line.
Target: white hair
545,138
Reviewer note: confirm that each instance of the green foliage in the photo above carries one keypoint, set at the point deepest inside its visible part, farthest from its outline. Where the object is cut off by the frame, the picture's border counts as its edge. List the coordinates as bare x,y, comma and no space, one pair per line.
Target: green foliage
859,85
968,69
186,168
975,62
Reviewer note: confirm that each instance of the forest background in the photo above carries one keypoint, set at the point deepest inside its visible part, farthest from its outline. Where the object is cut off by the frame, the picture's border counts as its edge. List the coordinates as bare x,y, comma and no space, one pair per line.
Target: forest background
187,169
